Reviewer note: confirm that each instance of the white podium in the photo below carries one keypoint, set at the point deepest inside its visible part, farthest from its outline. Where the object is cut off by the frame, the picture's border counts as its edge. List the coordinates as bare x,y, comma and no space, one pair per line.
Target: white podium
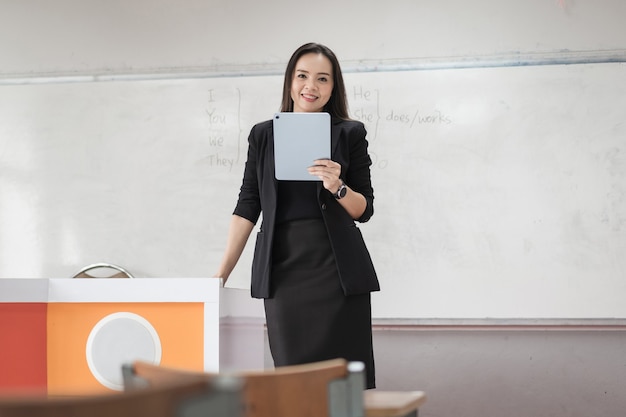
72,335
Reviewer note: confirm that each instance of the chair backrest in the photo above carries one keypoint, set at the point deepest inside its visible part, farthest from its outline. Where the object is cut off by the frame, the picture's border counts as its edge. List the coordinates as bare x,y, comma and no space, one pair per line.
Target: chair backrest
332,388
105,270
187,399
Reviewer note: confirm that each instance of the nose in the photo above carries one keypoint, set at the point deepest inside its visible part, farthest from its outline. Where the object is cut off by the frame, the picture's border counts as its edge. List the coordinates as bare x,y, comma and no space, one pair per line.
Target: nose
310,84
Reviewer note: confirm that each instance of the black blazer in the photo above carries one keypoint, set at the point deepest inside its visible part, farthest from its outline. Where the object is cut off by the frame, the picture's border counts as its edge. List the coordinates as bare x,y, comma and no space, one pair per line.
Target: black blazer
258,194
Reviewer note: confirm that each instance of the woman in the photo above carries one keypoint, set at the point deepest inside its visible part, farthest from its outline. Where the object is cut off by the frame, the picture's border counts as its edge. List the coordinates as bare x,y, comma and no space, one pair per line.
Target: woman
311,265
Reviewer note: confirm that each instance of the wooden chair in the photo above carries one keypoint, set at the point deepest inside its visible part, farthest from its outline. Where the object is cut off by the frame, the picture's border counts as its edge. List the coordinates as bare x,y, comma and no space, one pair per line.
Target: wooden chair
332,388
215,398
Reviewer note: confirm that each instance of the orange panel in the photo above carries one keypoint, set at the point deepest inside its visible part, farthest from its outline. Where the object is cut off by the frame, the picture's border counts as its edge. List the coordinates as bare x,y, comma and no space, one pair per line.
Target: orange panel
180,328
22,345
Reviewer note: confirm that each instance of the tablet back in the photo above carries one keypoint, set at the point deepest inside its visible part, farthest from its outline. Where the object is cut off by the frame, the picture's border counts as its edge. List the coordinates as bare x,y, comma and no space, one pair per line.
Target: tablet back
299,139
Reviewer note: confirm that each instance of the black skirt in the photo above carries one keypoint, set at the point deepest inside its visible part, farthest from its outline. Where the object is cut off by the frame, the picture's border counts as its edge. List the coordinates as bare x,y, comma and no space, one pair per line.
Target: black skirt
309,319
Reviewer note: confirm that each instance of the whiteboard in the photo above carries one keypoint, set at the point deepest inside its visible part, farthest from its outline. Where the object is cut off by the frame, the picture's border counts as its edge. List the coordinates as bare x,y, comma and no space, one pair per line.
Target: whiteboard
499,192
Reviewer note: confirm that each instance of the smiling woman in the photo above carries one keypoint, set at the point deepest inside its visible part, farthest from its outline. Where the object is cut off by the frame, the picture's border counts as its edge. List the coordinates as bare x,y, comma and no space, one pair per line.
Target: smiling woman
311,265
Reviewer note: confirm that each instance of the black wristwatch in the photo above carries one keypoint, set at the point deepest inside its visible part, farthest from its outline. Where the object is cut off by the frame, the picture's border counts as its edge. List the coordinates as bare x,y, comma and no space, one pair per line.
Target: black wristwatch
341,192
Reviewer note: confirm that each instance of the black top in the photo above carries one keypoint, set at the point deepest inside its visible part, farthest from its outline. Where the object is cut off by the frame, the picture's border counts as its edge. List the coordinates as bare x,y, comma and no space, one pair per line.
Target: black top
297,200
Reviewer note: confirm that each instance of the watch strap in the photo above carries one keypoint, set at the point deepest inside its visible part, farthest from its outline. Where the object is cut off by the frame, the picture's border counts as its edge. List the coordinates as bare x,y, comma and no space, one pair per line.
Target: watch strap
341,191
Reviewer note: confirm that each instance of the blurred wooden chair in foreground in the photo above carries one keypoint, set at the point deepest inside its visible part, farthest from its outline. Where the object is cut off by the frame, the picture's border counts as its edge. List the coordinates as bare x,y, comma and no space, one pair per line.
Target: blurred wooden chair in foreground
324,389
333,388
217,397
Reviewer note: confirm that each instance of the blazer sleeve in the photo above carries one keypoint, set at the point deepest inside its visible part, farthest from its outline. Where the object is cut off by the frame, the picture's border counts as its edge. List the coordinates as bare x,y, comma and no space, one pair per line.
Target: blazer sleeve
357,175
249,203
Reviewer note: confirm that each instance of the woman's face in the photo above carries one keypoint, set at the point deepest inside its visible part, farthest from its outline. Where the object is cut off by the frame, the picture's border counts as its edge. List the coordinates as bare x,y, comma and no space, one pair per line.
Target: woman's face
312,84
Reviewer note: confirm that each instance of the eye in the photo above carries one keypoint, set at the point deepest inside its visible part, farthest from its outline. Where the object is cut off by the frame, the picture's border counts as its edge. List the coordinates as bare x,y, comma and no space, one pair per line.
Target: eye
301,75
323,79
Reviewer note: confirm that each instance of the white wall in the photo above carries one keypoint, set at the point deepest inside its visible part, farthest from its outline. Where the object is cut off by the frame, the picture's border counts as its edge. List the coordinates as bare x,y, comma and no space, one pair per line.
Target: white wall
95,36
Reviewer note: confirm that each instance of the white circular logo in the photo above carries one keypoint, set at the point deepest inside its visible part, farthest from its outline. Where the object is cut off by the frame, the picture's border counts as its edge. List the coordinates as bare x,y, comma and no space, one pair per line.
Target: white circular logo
117,339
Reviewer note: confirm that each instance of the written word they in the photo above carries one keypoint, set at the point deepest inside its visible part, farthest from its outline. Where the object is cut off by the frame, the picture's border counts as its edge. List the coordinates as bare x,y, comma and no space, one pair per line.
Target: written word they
219,161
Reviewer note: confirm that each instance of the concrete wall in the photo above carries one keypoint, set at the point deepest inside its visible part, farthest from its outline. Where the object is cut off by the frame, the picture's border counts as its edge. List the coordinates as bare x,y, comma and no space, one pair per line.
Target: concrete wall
507,372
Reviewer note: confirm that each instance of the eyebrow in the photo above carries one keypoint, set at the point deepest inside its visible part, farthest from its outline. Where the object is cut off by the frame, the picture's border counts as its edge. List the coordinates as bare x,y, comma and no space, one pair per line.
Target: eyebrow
319,73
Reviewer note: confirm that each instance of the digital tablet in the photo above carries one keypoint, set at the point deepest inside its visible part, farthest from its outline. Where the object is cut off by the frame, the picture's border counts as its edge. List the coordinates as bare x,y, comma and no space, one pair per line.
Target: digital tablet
299,139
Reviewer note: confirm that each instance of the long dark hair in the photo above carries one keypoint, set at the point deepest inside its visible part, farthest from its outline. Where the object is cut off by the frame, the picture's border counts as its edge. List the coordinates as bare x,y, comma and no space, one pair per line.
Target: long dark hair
337,106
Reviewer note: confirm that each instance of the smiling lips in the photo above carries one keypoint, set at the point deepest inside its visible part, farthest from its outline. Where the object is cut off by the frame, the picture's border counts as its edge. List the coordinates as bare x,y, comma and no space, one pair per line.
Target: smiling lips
309,97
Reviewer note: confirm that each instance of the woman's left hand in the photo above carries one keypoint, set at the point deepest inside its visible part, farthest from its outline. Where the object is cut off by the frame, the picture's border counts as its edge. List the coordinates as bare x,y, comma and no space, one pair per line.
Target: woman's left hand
328,171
